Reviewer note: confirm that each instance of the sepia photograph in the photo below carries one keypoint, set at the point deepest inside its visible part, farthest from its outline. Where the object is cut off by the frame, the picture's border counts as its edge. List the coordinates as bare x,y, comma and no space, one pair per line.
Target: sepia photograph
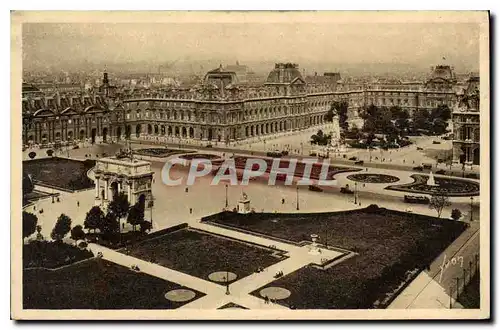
250,165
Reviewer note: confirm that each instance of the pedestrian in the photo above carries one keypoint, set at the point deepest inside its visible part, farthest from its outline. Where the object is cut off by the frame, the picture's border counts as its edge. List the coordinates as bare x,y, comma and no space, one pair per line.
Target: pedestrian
282,201
190,210
78,203
187,189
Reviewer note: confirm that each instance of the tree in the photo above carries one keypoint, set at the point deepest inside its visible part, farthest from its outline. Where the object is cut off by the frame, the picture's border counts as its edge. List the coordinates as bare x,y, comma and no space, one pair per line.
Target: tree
456,214
94,219
110,224
50,152
136,212
438,203
29,224
134,217
441,112
340,109
329,116
421,119
61,228
320,138
32,155
39,235
439,126
369,139
145,226
77,233
119,206
27,184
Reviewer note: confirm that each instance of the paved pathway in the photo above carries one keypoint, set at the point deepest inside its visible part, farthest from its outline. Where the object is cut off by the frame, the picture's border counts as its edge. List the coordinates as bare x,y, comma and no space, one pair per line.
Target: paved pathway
297,257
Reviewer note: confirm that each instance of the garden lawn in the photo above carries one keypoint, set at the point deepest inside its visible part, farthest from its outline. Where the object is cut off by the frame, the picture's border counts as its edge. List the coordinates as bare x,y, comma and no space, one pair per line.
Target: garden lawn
63,173
52,254
96,284
390,244
199,254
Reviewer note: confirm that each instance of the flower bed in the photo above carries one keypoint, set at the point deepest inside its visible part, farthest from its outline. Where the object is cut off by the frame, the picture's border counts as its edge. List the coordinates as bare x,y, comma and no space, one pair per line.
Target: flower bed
160,152
373,178
199,156
60,173
445,186
241,161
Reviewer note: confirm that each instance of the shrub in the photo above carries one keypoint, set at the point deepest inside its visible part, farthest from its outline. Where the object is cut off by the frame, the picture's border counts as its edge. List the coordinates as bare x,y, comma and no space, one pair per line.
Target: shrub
372,208
456,214
32,155
27,184
82,245
50,152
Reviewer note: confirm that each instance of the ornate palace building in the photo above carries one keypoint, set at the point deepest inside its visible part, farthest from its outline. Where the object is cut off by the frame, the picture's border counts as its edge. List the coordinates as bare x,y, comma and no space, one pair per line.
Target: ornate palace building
224,107
466,130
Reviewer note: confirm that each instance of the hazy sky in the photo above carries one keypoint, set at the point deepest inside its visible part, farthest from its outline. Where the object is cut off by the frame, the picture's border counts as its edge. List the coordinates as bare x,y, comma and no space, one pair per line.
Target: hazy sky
412,43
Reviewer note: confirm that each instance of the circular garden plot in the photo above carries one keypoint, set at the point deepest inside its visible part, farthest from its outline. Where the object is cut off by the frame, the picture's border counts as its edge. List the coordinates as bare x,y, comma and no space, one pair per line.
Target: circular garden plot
222,277
275,293
180,295
373,178
444,186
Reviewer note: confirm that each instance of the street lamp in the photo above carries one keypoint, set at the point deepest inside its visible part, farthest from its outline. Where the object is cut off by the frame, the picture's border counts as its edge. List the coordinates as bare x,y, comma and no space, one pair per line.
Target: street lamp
297,198
471,200
227,203
355,193
151,209
227,280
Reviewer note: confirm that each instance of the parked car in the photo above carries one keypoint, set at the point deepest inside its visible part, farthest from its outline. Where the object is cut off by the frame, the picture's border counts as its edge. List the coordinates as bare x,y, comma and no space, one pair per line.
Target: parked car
416,199
436,142
209,146
312,153
274,154
315,188
76,147
346,190
440,172
359,162
284,152
420,148
472,176
353,158
427,166
418,168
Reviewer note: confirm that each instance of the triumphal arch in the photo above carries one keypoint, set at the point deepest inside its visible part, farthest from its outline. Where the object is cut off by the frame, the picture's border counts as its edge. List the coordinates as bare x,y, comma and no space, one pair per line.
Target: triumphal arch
122,173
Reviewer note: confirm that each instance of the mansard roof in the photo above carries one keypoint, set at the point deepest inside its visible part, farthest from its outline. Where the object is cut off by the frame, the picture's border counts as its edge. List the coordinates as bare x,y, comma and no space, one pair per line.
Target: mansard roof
284,73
